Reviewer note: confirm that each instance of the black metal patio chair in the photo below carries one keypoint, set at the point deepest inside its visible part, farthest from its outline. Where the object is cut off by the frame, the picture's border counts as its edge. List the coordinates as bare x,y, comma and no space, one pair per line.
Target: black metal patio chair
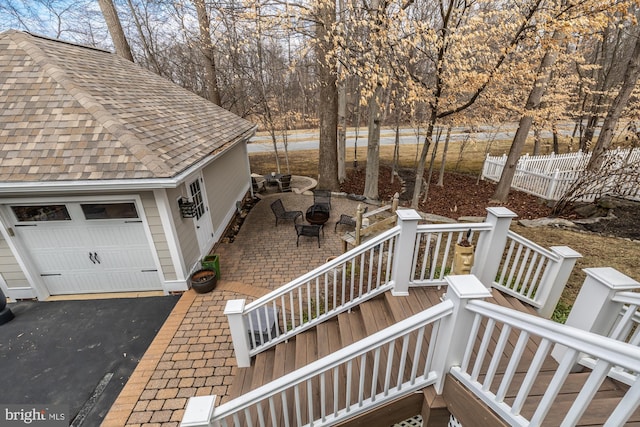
322,197
308,231
282,214
347,220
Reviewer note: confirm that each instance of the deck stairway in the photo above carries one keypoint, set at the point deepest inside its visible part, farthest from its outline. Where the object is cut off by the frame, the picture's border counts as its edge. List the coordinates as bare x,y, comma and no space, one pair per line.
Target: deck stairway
381,312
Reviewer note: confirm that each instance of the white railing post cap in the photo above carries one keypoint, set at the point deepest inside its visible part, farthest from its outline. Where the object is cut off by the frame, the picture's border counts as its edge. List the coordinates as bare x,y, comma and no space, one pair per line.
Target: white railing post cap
234,306
612,278
501,212
199,411
408,214
565,252
467,286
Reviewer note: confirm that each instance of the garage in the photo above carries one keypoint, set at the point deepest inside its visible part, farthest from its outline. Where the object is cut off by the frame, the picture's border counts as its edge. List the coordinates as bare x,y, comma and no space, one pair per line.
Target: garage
87,247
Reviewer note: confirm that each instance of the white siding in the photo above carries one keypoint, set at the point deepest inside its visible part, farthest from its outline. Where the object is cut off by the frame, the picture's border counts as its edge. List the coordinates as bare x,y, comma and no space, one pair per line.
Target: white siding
10,269
185,229
157,233
226,182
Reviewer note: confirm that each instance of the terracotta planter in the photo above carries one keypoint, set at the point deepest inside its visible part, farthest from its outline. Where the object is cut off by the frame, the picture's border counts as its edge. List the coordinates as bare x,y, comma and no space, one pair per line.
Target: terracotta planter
203,281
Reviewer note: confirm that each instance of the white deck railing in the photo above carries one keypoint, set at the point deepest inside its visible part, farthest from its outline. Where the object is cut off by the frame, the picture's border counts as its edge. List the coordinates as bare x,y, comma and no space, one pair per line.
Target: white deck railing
551,176
530,272
407,255
464,336
606,306
347,382
324,292
493,322
434,248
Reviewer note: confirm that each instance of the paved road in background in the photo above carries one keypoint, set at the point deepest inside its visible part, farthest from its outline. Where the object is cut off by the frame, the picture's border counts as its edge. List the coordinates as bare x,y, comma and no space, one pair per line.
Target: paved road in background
309,140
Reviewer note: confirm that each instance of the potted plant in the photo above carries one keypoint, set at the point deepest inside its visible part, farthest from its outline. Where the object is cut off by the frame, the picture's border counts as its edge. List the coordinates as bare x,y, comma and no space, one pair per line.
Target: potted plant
203,281
5,312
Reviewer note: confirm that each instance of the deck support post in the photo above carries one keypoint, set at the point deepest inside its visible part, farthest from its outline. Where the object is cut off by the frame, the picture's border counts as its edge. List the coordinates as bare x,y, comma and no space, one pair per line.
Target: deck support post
453,333
403,257
199,411
594,311
239,331
558,275
491,245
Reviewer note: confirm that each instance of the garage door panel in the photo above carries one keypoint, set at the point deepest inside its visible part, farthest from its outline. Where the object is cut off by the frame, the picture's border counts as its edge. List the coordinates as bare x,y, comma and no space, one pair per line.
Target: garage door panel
128,259
126,281
53,236
49,261
91,256
105,235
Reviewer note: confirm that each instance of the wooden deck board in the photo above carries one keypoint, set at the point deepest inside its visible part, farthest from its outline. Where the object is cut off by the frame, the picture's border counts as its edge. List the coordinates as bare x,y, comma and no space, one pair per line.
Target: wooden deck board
385,310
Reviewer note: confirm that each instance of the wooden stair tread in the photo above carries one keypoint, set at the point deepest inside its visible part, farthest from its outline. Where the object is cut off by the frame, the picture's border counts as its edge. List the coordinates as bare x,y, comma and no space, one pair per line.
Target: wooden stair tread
351,327
374,315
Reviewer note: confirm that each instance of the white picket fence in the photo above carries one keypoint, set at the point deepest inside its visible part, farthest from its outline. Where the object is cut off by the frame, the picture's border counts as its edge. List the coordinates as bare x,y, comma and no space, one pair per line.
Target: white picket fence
551,176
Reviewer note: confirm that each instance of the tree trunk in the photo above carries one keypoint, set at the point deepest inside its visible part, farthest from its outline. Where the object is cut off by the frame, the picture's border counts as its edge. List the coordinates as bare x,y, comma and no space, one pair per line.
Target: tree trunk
615,109
536,140
444,157
342,132
115,29
206,46
327,101
432,162
415,200
373,146
533,102
396,148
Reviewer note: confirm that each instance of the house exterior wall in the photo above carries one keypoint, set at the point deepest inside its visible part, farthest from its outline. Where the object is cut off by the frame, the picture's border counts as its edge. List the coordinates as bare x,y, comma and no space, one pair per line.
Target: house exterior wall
10,269
158,236
226,182
185,229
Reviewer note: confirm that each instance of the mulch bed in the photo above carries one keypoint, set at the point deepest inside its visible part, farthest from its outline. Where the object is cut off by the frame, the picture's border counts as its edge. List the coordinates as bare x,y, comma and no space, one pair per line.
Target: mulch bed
461,195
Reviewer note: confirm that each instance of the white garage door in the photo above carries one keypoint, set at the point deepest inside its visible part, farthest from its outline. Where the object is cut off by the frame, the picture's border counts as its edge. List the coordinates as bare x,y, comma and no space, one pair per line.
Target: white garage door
87,247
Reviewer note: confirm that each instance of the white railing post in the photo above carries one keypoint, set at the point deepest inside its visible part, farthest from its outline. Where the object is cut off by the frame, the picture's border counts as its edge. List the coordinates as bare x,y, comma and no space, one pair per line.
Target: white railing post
453,333
491,245
199,411
403,257
239,331
557,277
594,310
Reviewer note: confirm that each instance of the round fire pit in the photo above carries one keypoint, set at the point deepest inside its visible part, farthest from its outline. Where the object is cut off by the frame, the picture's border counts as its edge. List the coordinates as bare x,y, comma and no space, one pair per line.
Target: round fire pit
317,214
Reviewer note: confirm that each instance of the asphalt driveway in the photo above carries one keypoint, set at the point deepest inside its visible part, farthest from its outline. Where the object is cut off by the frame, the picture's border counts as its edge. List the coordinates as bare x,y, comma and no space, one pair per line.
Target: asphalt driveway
79,354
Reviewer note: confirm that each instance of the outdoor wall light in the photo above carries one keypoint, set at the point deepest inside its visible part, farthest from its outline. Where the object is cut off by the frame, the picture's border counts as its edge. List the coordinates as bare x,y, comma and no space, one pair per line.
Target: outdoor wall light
187,208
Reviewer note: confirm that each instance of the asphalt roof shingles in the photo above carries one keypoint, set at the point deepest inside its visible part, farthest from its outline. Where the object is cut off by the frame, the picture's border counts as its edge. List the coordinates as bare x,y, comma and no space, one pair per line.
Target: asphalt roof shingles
76,113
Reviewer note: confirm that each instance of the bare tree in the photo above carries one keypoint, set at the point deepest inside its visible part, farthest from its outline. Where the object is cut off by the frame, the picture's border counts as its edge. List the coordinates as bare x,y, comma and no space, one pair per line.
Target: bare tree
617,106
533,102
115,29
206,46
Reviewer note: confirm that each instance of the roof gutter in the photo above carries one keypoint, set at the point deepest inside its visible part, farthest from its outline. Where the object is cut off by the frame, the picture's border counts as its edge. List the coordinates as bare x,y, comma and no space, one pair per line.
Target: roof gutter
120,184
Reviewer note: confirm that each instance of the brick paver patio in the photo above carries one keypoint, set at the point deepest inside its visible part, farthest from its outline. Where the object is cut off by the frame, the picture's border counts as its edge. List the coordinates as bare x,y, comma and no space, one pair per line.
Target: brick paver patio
192,355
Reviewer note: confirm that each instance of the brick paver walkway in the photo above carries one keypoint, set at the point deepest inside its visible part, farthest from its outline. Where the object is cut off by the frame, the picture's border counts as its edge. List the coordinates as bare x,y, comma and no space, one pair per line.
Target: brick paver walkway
192,355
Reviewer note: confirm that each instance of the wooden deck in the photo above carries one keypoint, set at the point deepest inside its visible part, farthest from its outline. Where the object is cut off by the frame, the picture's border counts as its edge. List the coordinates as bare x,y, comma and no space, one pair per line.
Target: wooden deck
386,310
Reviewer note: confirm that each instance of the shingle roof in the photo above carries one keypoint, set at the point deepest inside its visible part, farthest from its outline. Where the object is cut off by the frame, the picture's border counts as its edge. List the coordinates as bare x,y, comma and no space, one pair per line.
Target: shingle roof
69,112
